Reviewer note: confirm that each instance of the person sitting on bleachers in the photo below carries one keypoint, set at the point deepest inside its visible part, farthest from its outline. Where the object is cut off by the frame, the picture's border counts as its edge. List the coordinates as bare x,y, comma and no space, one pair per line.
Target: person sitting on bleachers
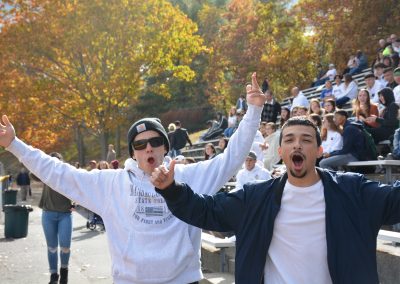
298,98
388,121
270,146
332,139
362,63
251,172
373,87
285,115
389,78
257,148
209,151
300,111
363,108
327,92
338,89
315,107
212,125
217,130
353,144
395,155
378,72
328,76
271,108
316,120
330,106
350,90
352,64
231,122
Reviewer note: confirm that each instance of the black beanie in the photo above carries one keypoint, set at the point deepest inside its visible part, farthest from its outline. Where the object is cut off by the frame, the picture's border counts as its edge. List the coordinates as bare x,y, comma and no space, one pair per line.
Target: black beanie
146,124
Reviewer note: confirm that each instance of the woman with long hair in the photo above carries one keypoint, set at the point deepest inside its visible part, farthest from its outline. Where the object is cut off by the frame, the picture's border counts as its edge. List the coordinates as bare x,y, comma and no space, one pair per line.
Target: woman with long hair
315,107
209,151
363,108
285,115
330,106
331,136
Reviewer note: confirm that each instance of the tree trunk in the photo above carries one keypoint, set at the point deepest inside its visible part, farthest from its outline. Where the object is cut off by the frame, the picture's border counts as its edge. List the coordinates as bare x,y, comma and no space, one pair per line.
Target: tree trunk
80,145
104,144
118,141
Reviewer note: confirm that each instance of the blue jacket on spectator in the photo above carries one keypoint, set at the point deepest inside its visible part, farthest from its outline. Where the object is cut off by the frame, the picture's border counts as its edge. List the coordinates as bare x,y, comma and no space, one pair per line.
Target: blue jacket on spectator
353,141
356,208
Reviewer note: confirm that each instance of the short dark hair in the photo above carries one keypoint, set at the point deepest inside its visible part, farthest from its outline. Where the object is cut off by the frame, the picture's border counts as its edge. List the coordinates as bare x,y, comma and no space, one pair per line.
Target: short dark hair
388,69
369,75
300,120
342,112
177,123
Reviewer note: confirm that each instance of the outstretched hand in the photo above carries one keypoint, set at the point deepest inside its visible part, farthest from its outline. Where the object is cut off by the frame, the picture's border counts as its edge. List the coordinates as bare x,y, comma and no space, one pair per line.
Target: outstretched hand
162,177
7,132
254,94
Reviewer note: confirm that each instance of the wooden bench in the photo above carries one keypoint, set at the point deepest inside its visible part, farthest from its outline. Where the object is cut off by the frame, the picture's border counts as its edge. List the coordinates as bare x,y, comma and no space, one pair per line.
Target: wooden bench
386,164
218,243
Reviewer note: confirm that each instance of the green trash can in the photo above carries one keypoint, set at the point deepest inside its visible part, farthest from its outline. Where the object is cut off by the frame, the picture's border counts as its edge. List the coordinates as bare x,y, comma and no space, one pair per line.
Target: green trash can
10,197
16,220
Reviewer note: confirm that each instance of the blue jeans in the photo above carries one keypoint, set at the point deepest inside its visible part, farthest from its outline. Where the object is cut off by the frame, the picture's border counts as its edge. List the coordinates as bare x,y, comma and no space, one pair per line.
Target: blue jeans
334,162
57,228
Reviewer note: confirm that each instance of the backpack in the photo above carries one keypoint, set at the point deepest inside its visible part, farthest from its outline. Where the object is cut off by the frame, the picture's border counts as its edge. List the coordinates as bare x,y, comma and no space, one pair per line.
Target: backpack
370,151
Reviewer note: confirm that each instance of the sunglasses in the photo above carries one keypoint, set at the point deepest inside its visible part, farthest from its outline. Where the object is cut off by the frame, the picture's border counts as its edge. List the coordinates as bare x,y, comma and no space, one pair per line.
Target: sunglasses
142,144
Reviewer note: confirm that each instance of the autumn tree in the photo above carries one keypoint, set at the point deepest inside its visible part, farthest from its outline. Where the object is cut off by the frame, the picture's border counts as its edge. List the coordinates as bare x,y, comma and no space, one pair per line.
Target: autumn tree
89,61
339,28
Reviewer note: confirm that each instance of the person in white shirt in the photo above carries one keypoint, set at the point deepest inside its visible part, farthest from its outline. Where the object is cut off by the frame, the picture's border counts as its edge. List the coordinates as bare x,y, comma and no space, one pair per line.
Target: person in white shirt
373,87
332,139
396,90
337,89
350,91
378,72
270,147
256,147
251,172
298,98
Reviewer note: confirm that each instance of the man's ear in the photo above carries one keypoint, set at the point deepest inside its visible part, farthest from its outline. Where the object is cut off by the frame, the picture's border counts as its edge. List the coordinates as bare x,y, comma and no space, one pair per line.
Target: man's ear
320,151
280,152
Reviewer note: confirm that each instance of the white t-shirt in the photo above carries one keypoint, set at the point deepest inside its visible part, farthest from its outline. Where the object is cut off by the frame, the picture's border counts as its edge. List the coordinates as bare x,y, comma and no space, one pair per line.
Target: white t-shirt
300,100
373,92
396,92
333,142
298,250
331,73
338,91
256,174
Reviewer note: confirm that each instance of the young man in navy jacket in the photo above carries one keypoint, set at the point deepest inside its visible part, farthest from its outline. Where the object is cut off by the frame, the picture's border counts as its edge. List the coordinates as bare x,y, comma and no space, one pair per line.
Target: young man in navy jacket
308,226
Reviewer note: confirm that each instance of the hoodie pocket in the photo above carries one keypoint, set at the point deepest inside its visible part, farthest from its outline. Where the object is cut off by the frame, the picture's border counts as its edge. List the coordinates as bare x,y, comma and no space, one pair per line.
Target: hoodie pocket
158,255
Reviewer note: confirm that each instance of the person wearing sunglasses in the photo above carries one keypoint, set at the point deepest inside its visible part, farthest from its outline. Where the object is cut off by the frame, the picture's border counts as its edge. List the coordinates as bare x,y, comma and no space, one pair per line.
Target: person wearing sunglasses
146,242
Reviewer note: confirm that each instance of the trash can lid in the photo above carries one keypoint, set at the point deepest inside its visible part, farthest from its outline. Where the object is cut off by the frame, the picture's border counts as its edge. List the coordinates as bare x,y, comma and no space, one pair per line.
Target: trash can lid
12,190
14,207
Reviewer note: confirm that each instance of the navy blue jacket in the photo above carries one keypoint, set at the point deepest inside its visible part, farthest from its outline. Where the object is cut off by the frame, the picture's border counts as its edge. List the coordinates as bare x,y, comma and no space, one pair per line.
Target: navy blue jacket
353,141
356,208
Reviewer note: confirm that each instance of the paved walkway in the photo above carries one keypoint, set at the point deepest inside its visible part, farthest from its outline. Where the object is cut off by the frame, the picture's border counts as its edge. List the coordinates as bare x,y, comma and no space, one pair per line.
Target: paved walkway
24,260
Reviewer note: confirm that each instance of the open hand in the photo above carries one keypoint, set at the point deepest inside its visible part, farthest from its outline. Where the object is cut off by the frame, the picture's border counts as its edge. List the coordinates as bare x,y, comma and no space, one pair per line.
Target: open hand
254,94
7,132
161,177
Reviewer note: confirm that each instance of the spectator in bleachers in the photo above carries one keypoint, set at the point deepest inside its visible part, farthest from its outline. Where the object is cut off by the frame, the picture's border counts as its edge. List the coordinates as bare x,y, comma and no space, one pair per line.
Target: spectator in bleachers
298,98
241,104
373,87
232,118
251,172
353,144
332,139
378,72
293,113
387,61
382,43
363,108
396,146
396,46
103,165
211,124
350,90
338,89
388,50
217,129
265,85
180,139
171,130
396,90
257,147
301,111
315,107
270,146
363,62
271,108
222,144
209,151
328,76
330,106
327,92
285,115
352,64
316,120
389,78
388,121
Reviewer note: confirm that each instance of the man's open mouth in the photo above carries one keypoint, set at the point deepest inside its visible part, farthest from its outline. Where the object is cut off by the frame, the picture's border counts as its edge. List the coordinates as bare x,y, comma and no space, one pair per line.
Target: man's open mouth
151,160
298,160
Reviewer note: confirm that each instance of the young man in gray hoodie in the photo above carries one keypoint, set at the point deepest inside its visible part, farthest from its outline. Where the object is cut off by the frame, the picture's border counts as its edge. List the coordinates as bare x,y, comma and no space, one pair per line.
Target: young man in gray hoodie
146,242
